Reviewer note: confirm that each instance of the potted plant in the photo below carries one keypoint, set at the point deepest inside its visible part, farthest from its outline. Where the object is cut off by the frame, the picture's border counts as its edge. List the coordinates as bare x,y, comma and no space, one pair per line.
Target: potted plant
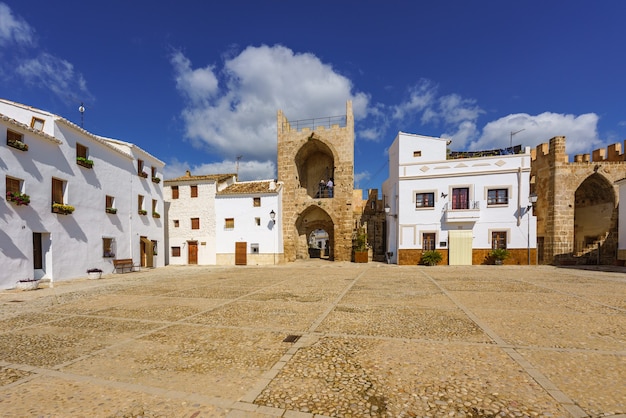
142,212
431,258
156,180
27,284
143,174
111,210
360,247
498,255
84,162
156,215
20,199
94,273
62,209
16,143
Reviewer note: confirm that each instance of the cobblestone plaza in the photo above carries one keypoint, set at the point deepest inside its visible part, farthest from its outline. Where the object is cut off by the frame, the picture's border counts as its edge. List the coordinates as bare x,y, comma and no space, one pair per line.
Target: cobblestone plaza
316,338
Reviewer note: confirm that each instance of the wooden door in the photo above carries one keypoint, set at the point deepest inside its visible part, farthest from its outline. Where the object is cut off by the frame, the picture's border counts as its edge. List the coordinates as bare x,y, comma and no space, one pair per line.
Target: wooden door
37,252
192,252
241,253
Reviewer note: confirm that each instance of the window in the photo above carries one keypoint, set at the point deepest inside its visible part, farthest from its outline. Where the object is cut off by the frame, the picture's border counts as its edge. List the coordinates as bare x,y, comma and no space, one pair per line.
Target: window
37,124
229,223
109,204
153,171
257,221
256,202
13,185
108,247
460,198
428,241
175,251
194,191
16,140
174,192
176,223
195,223
140,208
498,239
58,191
417,153
140,171
155,213
425,200
497,197
81,151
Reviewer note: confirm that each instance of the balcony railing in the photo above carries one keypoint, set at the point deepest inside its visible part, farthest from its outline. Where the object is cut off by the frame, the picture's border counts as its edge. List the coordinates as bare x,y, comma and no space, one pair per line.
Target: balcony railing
326,122
469,214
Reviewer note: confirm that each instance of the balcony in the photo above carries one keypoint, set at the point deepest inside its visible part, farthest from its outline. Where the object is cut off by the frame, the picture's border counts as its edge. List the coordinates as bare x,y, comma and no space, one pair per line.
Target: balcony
469,214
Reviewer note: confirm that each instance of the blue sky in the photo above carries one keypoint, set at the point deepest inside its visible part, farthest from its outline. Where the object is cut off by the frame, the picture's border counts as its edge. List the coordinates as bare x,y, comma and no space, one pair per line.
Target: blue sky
198,83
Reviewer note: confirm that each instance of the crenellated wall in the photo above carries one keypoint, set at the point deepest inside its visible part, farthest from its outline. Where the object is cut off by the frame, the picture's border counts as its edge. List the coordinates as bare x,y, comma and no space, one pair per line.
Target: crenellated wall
577,203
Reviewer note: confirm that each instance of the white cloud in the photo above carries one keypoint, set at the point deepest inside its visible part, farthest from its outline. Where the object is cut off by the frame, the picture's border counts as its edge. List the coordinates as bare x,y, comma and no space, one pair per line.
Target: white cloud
359,177
248,170
581,131
235,114
56,74
13,29
35,68
197,85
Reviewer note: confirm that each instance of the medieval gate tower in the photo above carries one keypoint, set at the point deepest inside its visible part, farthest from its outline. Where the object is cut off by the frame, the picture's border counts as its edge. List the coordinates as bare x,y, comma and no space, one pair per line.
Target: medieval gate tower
311,151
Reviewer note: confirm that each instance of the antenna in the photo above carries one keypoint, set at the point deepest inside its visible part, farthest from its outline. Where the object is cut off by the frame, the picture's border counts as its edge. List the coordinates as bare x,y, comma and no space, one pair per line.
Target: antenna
511,140
237,165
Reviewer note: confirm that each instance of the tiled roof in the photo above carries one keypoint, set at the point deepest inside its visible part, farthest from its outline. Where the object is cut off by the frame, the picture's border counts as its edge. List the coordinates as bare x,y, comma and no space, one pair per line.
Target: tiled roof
189,177
250,187
28,128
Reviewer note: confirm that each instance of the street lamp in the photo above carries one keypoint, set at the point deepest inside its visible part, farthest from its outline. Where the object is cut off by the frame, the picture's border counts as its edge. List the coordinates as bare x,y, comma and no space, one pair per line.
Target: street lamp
532,199
273,216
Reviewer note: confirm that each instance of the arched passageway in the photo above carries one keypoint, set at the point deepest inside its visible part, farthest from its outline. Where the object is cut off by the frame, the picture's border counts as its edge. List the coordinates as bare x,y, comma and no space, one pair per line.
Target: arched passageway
312,220
315,163
594,216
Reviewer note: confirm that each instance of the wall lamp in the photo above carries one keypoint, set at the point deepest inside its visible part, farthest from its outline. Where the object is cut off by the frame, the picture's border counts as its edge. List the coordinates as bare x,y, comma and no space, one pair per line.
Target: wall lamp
388,209
273,216
532,199
444,195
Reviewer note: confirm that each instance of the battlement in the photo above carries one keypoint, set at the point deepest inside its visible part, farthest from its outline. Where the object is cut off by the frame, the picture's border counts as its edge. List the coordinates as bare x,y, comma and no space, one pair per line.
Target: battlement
323,123
555,151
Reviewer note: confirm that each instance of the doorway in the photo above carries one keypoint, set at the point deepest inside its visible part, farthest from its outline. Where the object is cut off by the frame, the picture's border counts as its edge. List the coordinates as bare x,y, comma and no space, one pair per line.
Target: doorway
241,253
146,252
460,247
42,259
192,252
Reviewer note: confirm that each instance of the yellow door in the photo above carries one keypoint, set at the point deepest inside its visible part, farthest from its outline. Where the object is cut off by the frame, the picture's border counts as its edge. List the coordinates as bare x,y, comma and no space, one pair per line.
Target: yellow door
460,248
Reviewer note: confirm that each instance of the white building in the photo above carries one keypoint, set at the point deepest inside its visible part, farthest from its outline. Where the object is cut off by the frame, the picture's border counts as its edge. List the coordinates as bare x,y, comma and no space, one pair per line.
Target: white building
190,221
84,193
248,223
461,207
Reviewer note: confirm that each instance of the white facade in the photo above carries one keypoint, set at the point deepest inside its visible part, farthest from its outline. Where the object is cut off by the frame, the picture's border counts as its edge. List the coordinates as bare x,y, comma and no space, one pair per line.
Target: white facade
456,206
190,218
244,220
37,243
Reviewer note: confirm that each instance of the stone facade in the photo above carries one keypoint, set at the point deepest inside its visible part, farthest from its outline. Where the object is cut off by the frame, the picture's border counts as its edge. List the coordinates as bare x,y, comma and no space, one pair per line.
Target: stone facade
577,206
319,149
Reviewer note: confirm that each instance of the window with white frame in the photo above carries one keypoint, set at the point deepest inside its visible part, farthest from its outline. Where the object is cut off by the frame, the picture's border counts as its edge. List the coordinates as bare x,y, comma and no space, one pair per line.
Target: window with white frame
424,200
498,197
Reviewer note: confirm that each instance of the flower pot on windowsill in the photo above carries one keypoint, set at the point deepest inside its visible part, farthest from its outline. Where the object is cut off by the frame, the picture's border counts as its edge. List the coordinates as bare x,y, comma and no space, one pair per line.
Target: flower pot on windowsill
156,180
17,144
112,211
27,284
82,161
142,212
156,215
20,199
143,174
62,209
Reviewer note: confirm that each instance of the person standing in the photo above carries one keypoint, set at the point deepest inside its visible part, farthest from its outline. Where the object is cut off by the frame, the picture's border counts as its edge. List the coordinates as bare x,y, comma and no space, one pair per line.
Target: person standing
329,186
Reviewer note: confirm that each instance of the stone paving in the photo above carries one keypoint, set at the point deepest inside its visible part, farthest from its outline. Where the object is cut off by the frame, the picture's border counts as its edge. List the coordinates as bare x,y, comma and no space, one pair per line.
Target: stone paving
368,340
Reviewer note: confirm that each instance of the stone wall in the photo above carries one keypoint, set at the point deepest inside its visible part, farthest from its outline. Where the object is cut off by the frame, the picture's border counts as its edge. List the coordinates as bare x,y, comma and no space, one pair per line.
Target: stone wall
563,189
300,152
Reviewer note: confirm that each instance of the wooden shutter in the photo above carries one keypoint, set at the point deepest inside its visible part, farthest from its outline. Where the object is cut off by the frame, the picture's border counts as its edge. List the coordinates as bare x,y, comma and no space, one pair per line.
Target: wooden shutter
57,191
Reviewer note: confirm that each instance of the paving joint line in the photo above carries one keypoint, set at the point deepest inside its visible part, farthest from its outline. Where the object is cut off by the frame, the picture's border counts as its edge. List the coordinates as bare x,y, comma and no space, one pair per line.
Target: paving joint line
558,395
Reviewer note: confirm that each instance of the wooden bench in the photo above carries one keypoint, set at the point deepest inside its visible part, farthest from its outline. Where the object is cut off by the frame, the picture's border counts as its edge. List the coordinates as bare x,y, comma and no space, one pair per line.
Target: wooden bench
122,264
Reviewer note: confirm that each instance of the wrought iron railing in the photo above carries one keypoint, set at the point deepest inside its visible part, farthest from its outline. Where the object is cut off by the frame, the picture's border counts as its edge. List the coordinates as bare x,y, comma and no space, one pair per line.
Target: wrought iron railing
326,122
